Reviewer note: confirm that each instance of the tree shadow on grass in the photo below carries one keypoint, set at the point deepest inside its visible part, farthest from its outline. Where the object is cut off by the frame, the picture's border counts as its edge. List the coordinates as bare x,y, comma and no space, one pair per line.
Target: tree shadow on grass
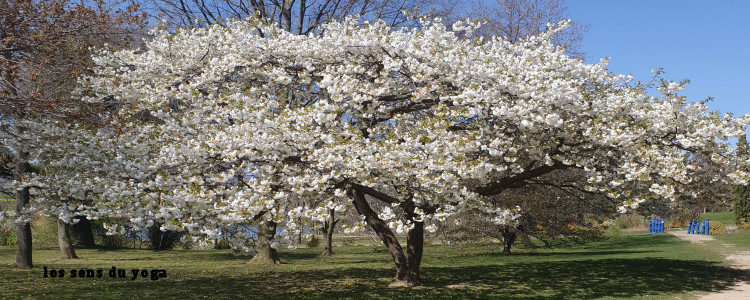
284,256
578,279
571,254
298,255
591,278
634,241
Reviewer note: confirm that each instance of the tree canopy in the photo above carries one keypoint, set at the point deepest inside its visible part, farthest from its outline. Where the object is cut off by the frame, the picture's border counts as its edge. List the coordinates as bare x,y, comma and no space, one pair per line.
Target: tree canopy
220,125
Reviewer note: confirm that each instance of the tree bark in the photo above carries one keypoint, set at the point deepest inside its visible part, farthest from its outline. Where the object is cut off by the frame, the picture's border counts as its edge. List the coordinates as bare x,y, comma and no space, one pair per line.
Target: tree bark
286,15
414,244
154,236
509,237
162,240
414,249
330,225
170,239
407,270
65,241
23,233
83,233
266,254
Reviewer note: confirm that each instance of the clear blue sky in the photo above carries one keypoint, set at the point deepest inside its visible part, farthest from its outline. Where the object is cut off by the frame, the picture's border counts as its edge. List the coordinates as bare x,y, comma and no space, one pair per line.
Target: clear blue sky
707,42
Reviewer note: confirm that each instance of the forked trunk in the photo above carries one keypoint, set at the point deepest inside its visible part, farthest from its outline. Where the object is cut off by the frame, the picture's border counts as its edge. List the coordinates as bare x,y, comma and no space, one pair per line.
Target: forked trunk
266,254
407,270
65,241
509,237
23,233
329,226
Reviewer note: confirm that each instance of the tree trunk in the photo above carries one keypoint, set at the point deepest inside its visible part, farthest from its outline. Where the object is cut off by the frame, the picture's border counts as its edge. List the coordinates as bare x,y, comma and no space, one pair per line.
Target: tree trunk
407,274
83,233
414,249
266,254
509,237
299,234
414,245
169,239
301,19
162,240
23,233
330,225
64,239
285,16
154,236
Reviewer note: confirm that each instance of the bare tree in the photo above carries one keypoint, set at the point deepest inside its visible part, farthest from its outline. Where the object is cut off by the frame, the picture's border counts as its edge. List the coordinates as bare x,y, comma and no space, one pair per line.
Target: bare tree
516,19
297,16
44,46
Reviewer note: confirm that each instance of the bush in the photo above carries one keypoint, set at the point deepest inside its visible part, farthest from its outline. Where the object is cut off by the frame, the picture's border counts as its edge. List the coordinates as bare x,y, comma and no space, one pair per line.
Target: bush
188,244
743,226
579,234
680,218
349,242
633,221
113,241
313,242
717,227
109,241
7,237
613,224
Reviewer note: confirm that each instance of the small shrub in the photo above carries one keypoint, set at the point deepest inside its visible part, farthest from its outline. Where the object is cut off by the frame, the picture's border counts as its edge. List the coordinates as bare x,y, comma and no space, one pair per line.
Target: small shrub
348,242
109,241
717,227
580,234
633,221
680,218
7,237
313,242
187,244
743,226
614,224
113,241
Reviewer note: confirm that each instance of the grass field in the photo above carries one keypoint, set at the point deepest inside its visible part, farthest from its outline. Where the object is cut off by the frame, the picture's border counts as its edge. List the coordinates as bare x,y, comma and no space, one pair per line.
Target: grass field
724,217
740,239
632,265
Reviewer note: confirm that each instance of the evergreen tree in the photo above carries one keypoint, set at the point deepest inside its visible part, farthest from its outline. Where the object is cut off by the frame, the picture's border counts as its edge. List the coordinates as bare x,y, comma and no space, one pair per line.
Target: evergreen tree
742,192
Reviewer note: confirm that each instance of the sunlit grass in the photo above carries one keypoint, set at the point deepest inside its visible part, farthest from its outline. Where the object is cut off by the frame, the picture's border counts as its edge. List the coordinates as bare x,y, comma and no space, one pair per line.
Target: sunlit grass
740,239
724,217
625,265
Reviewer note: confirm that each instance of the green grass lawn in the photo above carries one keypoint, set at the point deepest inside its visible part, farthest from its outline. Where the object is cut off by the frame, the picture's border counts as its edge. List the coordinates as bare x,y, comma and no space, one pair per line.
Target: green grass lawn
724,217
741,239
632,265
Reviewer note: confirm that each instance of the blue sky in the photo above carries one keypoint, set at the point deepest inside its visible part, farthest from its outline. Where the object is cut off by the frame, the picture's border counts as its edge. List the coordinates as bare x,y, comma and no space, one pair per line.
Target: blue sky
707,42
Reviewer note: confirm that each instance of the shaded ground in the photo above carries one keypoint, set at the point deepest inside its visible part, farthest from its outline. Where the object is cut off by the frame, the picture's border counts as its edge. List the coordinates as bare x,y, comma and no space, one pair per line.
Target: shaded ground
633,265
741,290
739,260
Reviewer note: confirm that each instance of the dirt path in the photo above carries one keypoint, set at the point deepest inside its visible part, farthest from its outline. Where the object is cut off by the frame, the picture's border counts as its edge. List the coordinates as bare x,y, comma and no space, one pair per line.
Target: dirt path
739,260
693,238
